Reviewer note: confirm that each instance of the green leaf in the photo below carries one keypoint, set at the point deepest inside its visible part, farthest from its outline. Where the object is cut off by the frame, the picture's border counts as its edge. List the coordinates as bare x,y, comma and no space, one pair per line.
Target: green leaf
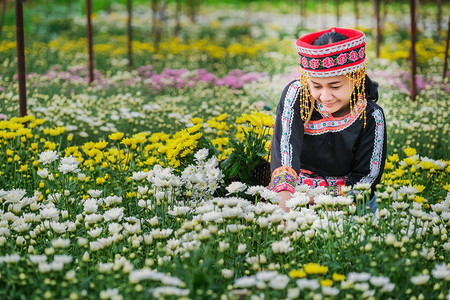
228,161
234,169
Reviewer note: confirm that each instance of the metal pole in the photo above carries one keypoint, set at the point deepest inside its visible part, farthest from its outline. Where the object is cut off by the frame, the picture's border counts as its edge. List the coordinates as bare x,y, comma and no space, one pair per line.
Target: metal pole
130,35
324,21
177,18
446,51
2,19
89,38
413,49
337,12
21,58
378,39
439,18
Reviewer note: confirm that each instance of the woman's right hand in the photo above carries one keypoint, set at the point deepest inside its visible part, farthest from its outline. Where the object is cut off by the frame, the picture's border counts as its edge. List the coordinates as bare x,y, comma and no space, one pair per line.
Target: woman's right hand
285,196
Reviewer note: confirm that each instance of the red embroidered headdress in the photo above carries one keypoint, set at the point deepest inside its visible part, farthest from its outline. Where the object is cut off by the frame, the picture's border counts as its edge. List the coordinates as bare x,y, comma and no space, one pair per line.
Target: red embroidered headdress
347,57
333,59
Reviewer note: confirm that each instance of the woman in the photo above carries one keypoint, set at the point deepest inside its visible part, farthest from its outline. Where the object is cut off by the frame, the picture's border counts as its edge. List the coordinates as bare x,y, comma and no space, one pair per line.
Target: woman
328,130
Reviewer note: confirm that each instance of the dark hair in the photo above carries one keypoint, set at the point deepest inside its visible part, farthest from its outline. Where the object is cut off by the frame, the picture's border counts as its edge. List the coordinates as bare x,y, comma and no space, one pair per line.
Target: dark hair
370,87
329,38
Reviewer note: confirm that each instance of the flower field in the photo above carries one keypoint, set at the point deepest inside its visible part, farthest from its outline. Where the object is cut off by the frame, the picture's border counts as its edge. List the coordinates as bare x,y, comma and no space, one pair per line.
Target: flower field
139,185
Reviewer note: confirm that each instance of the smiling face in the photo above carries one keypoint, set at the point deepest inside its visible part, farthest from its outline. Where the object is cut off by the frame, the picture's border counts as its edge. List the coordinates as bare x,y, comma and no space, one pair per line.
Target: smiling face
334,93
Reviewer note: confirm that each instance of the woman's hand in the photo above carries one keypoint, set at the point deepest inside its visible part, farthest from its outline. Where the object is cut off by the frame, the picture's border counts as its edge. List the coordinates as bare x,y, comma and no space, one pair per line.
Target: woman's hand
284,195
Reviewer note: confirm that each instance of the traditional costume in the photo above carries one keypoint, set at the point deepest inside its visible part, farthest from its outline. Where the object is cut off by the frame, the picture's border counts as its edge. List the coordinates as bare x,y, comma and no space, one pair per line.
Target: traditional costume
329,151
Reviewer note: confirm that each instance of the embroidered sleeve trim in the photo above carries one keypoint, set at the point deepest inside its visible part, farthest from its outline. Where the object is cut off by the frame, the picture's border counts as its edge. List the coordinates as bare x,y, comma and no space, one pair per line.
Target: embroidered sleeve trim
377,152
283,178
286,124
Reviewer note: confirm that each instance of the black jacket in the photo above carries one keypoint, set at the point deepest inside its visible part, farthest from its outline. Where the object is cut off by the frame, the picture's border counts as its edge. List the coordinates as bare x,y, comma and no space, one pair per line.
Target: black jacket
329,147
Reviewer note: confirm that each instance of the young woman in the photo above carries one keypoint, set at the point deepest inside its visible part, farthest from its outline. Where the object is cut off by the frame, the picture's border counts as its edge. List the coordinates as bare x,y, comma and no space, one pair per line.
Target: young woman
328,130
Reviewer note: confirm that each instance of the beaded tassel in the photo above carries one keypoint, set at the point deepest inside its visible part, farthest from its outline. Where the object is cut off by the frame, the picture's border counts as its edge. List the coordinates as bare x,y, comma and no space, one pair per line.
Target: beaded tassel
357,79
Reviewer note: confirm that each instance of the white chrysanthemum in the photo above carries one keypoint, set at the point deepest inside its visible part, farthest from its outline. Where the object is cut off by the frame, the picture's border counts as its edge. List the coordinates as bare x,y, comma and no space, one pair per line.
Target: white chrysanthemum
105,267
297,200
265,275
233,212
324,200
310,284
50,212
92,218
138,176
279,282
65,259
317,191
242,248
158,233
95,232
95,193
142,190
36,259
10,258
14,195
110,200
330,291
173,244
352,276
408,190
70,160
90,206
255,190
179,211
201,155
114,228
341,200
263,222
214,175
66,168
271,196
132,228
427,253
212,216
70,275
58,227
223,246
43,173
48,157
246,282
441,272
362,186
236,187
162,291
44,267
283,246
302,188
379,281
388,288
420,279
112,294
226,273
438,208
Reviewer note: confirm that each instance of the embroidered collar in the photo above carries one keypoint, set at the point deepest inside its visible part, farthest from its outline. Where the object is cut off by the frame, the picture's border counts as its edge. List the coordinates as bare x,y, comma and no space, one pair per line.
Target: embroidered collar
334,124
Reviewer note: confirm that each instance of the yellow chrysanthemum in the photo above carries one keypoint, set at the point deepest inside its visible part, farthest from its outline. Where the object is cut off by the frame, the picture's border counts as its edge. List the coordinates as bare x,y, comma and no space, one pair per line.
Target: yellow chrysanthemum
297,273
326,282
338,277
410,151
315,268
116,136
